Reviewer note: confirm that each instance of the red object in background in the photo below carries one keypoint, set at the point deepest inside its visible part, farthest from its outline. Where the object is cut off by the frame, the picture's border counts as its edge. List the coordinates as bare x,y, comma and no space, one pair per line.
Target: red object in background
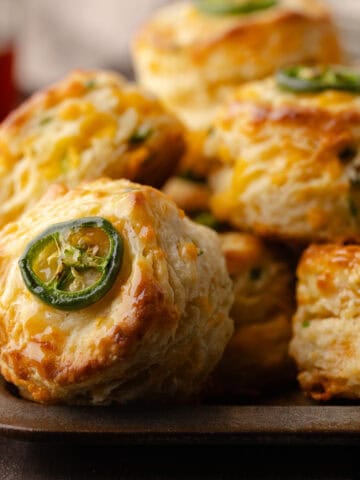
7,83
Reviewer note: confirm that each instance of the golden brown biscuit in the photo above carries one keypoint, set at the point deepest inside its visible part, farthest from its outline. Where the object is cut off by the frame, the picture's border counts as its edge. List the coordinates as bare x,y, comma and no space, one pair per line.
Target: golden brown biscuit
89,125
155,336
190,58
325,345
256,358
291,163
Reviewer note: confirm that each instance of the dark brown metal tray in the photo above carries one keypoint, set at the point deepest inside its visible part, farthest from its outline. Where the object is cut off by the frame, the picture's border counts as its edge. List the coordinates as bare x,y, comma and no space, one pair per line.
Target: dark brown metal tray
287,419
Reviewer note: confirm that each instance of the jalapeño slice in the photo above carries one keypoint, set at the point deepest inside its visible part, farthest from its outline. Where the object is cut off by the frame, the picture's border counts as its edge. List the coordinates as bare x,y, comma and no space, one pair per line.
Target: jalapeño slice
72,265
233,7
317,79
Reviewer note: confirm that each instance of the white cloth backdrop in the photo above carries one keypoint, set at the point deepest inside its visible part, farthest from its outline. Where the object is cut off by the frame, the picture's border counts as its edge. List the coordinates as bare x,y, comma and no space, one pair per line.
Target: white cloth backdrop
56,36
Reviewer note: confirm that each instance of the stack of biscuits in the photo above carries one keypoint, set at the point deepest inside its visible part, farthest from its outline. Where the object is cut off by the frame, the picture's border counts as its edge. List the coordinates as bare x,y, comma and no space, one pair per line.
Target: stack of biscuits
242,273
276,172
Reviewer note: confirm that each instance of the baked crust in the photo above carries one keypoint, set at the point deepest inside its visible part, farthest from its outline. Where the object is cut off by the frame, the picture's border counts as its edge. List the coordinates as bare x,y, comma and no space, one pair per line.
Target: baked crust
154,337
80,129
291,162
191,59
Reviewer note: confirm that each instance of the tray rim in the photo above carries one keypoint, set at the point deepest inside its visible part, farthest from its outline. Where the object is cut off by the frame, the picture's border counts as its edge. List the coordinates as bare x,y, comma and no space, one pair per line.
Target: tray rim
182,425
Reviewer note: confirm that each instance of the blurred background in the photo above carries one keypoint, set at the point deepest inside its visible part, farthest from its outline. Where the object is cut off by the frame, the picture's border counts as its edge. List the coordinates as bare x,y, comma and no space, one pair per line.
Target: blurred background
41,40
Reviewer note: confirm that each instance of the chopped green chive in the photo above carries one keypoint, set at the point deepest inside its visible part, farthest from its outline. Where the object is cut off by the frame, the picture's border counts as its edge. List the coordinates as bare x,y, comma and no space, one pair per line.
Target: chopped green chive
90,84
141,134
46,120
208,220
305,324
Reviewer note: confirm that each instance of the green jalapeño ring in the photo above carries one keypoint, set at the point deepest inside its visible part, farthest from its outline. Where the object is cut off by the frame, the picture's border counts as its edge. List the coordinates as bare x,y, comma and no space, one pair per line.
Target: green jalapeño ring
318,79
233,7
72,265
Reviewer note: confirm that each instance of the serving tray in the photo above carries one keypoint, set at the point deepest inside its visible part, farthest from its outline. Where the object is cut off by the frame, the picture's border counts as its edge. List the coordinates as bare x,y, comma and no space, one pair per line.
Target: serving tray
287,419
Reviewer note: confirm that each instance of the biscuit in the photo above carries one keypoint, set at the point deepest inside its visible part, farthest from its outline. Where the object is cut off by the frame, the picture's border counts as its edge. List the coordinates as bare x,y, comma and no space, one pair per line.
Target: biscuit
89,125
290,163
191,59
325,344
154,337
